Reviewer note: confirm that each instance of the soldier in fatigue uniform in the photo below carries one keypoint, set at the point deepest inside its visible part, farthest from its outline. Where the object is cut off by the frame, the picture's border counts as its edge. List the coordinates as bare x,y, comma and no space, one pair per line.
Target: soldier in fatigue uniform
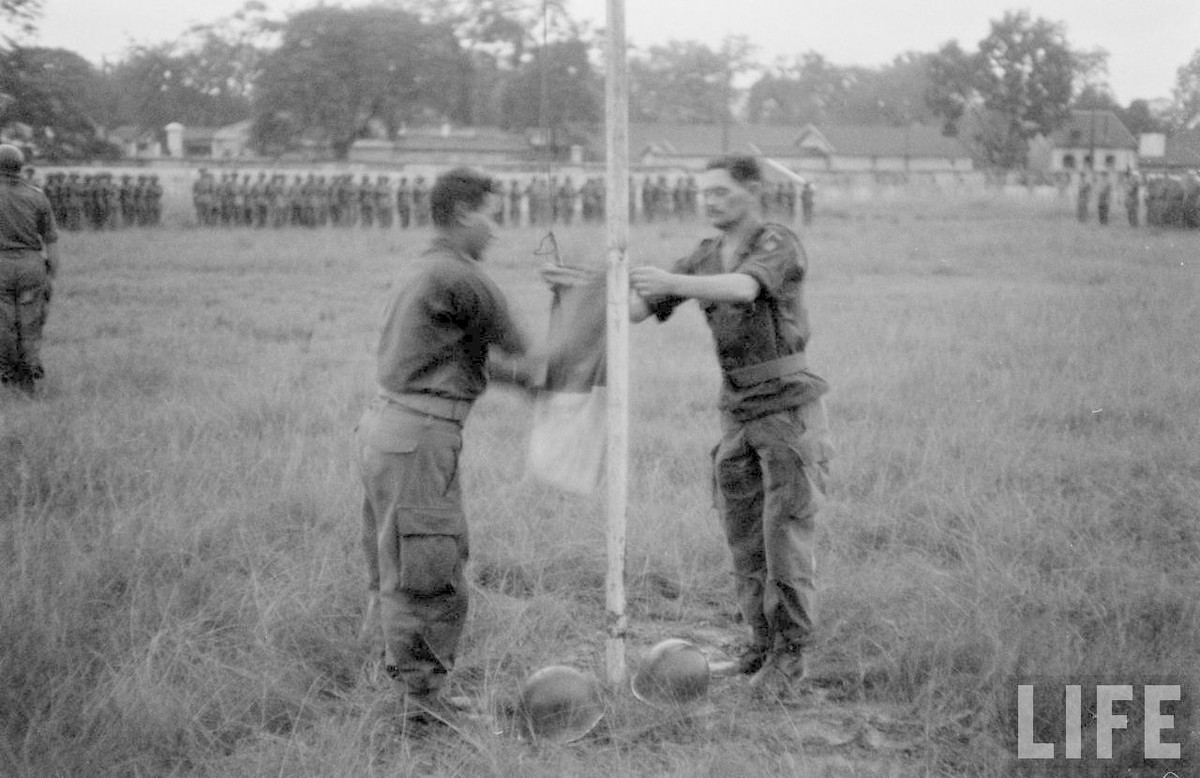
385,205
112,196
420,199
434,361
125,196
1103,198
366,201
259,205
73,202
276,200
771,463
403,203
533,202
52,190
339,202
514,203
154,195
141,205
223,200
324,197
27,229
201,195
1132,198
1084,195
246,201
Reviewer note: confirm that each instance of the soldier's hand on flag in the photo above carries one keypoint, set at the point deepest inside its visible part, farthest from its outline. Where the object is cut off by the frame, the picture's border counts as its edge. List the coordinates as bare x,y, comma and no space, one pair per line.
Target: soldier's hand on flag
651,282
557,276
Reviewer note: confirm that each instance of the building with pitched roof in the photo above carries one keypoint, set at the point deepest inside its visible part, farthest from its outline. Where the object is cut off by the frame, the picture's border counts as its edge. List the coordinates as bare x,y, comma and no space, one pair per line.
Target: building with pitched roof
1092,140
447,146
832,148
1173,153
136,142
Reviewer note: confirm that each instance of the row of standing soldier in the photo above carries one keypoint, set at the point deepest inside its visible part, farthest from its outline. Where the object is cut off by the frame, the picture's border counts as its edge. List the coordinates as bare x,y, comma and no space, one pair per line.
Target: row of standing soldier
1168,200
234,200
102,202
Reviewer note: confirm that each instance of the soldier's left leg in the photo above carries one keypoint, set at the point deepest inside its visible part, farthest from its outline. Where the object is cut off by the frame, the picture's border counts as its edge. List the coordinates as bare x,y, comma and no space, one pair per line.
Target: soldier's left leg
10,347
31,309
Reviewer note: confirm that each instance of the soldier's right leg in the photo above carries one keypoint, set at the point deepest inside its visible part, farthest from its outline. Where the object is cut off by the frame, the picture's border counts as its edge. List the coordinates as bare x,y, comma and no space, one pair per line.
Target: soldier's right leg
739,493
409,466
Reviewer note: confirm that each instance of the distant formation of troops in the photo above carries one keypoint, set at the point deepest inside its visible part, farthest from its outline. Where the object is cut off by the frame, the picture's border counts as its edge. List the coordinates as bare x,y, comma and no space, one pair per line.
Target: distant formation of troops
233,199
101,201
1166,200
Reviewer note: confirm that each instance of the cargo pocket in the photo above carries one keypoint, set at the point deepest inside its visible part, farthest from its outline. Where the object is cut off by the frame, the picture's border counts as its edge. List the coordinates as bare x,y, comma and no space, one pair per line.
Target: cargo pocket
429,565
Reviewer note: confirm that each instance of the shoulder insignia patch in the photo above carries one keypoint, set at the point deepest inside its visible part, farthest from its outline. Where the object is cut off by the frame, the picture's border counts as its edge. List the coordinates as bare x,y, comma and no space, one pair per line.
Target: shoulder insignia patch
770,242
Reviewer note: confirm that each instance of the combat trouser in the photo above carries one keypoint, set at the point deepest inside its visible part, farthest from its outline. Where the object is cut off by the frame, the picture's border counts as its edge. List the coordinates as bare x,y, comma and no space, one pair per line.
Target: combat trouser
23,308
415,542
769,474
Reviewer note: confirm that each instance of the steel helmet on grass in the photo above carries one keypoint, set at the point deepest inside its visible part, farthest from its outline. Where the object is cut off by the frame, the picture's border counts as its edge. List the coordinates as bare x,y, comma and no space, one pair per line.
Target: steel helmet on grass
560,704
674,672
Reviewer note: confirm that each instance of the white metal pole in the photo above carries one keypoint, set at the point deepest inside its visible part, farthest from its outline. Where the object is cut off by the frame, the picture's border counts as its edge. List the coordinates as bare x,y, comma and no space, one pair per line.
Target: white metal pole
617,457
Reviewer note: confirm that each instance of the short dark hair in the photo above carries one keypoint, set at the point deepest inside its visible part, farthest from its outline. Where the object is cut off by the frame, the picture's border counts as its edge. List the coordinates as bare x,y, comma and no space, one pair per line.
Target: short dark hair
742,168
460,185
12,160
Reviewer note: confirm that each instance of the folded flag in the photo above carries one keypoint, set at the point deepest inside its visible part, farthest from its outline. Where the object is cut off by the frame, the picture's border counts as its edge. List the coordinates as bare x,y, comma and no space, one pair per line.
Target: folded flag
567,441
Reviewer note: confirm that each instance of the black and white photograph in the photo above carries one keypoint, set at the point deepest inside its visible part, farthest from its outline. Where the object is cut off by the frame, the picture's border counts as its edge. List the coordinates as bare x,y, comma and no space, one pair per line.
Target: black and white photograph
591,388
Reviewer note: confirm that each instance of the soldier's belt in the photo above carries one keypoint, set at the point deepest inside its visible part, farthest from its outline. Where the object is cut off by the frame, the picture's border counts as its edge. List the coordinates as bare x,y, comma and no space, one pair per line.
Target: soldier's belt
430,405
750,375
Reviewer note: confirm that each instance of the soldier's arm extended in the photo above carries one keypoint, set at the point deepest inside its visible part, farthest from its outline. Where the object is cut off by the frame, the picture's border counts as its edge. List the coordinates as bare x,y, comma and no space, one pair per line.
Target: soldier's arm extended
653,282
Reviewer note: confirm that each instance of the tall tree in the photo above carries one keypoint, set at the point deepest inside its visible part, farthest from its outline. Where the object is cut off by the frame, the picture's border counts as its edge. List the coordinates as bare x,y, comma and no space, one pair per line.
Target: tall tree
810,89
1025,77
891,95
556,91
953,76
501,38
1187,92
684,82
337,72
1139,119
157,85
1019,84
54,100
506,31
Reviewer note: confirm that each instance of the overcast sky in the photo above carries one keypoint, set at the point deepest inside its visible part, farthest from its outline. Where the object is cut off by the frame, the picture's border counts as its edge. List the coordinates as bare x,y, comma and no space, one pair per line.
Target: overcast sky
1147,40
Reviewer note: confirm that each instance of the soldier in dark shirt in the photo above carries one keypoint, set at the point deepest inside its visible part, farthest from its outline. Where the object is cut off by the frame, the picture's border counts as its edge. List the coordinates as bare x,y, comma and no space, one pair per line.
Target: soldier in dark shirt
27,229
434,360
771,462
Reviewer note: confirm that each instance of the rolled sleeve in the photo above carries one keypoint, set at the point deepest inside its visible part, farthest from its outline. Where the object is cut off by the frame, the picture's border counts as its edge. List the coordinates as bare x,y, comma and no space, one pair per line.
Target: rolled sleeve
777,262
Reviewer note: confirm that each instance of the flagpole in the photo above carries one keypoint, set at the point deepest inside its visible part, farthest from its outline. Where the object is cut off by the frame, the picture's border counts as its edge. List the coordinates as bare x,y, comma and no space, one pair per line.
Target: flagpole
617,209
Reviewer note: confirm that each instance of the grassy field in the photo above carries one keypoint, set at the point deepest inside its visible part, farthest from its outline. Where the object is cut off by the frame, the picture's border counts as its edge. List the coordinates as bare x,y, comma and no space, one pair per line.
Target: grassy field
1016,494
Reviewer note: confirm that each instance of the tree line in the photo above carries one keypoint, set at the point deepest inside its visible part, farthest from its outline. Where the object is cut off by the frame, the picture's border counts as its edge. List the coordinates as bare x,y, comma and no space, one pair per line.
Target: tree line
330,76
